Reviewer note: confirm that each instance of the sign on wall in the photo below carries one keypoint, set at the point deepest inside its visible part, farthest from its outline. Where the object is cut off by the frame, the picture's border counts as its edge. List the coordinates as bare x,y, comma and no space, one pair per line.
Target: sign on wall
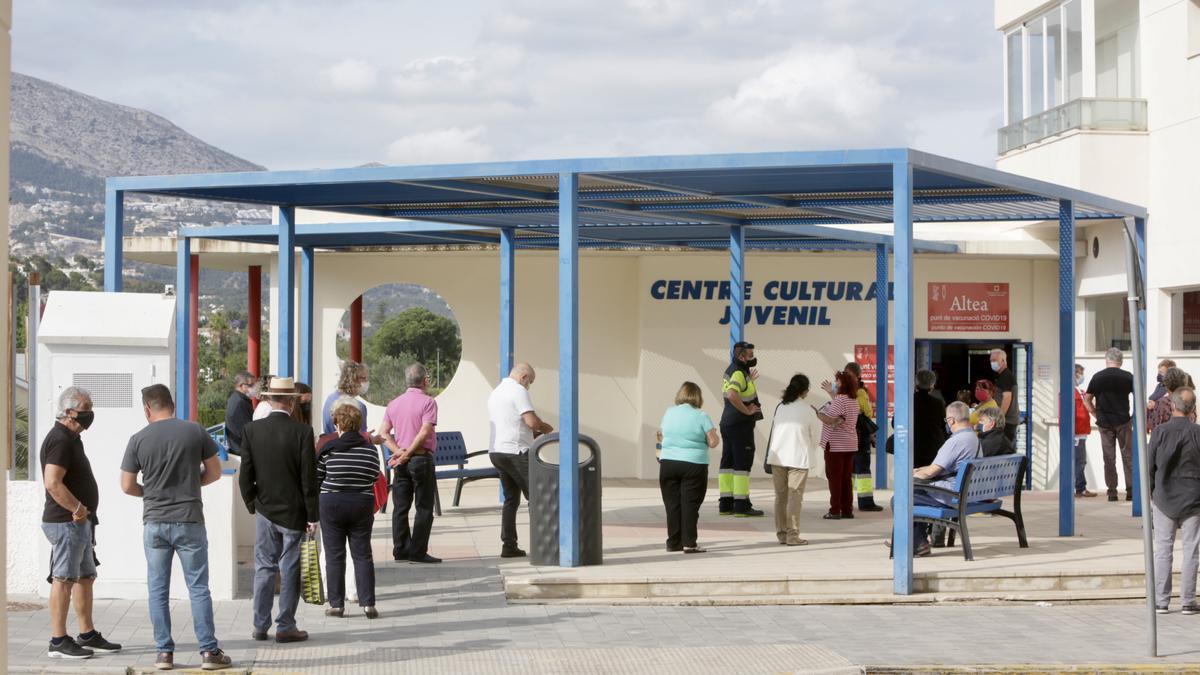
864,356
968,307
778,302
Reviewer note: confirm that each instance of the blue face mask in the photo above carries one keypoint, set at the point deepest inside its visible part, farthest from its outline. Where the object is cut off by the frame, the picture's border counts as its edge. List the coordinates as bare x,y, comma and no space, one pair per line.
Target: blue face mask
995,366
834,387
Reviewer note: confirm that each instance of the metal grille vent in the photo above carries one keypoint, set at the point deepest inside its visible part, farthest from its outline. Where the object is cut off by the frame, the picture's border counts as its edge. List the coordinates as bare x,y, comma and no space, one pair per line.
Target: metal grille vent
108,390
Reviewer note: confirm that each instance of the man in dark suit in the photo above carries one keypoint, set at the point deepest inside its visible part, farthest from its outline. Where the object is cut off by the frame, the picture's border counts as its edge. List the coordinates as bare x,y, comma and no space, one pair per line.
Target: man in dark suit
279,485
238,410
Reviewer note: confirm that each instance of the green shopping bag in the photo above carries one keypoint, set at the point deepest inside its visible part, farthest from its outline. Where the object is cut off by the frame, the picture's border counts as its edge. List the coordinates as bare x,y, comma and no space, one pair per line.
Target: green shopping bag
311,588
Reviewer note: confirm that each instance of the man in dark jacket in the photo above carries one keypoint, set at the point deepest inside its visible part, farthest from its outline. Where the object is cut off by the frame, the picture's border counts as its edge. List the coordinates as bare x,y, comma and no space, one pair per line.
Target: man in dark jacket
992,438
278,481
238,411
929,421
1175,499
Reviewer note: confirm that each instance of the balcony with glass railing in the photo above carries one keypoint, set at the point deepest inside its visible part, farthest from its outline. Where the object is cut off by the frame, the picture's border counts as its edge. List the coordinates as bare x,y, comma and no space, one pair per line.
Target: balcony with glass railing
1094,114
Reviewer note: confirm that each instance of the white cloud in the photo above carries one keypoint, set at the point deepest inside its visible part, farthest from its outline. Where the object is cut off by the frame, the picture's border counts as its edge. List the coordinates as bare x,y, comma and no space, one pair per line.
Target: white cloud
808,96
440,146
349,76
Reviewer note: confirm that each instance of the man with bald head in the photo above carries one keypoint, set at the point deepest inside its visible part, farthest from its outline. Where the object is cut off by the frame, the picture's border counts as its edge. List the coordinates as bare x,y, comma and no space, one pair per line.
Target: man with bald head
513,426
1175,499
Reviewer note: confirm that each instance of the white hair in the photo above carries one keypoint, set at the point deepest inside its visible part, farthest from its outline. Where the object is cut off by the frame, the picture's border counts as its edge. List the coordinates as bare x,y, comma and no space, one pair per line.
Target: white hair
1002,354
1114,355
415,374
72,398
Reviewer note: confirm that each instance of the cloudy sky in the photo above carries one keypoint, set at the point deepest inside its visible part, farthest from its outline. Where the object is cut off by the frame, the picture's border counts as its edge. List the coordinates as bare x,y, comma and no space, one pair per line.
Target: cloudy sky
320,84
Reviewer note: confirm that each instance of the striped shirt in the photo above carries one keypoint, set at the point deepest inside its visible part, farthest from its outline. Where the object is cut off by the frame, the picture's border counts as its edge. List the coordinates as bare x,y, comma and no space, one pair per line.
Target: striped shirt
844,437
348,464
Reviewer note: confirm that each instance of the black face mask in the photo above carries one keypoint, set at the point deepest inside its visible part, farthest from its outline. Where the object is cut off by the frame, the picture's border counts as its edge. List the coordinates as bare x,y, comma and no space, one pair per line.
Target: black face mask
1160,377
84,418
751,363
307,408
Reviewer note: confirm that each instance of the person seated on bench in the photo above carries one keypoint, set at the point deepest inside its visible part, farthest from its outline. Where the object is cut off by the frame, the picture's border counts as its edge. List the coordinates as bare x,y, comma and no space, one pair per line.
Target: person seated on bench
962,446
991,434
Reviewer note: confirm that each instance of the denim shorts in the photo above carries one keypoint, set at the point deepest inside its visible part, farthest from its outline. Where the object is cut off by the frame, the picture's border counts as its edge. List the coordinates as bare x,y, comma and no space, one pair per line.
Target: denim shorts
72,552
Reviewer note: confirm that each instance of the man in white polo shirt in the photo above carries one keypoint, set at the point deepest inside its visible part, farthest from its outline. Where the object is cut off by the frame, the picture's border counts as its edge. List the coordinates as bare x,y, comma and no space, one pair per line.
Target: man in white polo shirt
513,427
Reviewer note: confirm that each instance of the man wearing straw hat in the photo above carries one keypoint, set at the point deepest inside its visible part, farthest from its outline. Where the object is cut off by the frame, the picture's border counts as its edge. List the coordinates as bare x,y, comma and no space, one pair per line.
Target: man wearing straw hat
278,480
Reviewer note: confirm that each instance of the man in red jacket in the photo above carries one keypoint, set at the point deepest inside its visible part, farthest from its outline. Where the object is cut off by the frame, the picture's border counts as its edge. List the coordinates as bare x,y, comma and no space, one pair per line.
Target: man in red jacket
1083,428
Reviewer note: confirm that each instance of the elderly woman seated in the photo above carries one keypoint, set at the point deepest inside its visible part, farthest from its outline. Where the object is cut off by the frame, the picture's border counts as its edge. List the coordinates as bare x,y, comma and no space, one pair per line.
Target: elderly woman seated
991,433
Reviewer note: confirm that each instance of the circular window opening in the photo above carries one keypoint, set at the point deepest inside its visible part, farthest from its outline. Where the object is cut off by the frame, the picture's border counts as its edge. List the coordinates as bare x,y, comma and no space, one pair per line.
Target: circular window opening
403,324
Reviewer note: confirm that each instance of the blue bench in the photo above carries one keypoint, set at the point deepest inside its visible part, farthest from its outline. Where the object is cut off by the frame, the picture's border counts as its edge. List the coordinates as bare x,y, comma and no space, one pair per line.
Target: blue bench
452,451
982,485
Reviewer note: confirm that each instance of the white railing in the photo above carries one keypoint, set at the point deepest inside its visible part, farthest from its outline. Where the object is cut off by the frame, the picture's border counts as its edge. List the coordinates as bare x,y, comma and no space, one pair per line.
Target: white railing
1102,114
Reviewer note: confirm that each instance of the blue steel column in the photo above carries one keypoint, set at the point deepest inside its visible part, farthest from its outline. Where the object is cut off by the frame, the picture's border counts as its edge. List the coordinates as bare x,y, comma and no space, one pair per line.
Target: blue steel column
114,228
568,369
508,259
285,346
737,286
1066,368
881,363
307,261
183,331
1139,241
902,564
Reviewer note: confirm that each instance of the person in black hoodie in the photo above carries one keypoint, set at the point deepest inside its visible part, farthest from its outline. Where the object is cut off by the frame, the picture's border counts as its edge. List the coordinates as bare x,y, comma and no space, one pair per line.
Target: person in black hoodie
991,434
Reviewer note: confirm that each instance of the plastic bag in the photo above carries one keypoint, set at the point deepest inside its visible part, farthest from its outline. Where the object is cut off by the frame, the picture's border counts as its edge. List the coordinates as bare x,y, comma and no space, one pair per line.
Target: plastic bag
311,587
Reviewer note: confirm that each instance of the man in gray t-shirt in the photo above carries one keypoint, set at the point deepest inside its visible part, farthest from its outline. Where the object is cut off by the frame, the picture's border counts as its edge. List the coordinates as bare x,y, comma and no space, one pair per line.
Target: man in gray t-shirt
175,458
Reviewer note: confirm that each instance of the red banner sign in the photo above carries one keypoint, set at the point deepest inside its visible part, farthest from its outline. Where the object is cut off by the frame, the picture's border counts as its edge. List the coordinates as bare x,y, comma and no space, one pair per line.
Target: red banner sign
864,356
968,307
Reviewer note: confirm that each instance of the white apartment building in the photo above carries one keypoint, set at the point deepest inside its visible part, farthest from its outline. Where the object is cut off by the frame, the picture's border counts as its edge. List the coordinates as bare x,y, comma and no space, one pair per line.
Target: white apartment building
1104,95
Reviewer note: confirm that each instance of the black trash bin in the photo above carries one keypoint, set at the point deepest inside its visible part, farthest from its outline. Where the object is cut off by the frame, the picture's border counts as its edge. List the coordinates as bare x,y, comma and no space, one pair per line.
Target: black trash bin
543,501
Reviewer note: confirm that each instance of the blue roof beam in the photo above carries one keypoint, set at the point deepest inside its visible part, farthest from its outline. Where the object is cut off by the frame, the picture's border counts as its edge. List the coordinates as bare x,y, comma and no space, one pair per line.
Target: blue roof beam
782,226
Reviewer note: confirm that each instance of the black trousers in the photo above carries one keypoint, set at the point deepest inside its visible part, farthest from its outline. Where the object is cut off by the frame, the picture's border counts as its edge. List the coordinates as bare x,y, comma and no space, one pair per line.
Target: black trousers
412,482
514,479
1010,431
683,485
348,516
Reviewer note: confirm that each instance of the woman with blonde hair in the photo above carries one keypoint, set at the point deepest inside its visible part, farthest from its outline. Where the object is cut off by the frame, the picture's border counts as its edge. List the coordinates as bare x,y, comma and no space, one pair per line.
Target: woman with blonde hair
686,433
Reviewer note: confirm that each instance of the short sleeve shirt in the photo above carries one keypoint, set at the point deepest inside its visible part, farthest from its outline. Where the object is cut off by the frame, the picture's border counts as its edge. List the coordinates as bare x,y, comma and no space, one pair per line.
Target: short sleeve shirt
1112,388
963,445
844,437
685,434
64,448
1007,382
507,403
738,379
327,426
169,455
407,413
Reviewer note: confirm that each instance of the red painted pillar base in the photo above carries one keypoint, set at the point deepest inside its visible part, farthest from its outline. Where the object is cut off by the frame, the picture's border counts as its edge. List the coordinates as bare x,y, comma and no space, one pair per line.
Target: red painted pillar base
194,330
254,320
356,326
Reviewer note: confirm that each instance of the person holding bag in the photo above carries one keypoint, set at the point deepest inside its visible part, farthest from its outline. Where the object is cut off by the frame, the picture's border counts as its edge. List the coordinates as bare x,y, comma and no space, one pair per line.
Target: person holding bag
795,435
348,468
685,434
839,439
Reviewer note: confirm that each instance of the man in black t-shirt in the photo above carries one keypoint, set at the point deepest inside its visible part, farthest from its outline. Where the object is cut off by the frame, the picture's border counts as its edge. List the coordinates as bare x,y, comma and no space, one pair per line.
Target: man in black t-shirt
68,521
1006,394
1107,398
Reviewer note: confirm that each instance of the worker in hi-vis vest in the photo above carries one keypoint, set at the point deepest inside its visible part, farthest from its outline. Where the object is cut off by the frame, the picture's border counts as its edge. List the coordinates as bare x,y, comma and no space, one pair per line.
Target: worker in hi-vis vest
863,485
742,410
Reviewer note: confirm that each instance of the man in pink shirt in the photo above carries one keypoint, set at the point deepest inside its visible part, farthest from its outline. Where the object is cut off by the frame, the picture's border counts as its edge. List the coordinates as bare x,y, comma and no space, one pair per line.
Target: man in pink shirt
408,431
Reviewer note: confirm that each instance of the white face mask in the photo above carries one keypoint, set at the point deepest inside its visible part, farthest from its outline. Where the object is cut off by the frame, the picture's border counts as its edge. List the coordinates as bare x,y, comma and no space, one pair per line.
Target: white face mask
364,388
1078,380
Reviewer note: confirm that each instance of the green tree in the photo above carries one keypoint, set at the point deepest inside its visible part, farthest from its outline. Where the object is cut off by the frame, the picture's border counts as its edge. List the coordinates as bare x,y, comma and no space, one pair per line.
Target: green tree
427,337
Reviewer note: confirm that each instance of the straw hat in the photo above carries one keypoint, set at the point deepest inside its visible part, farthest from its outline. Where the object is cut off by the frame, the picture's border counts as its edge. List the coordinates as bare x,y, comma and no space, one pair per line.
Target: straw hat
281,386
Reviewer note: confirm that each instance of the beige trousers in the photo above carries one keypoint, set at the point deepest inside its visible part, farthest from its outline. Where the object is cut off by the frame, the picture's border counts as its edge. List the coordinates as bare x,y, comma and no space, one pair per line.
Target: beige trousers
789,496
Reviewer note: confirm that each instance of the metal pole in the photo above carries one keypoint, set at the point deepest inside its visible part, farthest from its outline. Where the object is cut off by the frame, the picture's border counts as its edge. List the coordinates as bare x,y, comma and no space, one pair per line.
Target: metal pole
12,378
1066,369
31,339
1133,276
902,462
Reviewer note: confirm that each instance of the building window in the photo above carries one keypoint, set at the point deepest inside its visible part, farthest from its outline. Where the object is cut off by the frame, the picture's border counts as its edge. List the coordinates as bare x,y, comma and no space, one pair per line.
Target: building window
1044,62
1108,316
1015,89
1073,18
1185,320
1117,50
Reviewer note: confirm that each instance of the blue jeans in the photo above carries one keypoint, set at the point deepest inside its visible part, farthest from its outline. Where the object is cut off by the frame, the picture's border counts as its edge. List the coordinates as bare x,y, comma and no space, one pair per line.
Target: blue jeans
920,530
276,551
189,541
1080,464
72,556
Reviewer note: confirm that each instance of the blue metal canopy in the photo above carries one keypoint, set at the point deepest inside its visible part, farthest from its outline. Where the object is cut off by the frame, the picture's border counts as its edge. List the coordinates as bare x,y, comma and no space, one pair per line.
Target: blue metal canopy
739,202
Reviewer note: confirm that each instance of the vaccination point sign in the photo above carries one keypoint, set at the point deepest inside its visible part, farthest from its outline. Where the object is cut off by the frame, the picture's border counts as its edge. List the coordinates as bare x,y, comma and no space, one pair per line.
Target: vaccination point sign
864,356
968,307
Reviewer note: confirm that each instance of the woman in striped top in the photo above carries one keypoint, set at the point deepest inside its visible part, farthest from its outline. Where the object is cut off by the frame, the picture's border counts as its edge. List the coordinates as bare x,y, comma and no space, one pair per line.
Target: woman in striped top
347,467
839,438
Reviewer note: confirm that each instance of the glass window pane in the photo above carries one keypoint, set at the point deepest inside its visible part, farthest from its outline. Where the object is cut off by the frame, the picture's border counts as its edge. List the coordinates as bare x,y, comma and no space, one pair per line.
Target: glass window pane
1191,320
1054,64
1110,322
1106,67
1074,40
1036,65
1016,101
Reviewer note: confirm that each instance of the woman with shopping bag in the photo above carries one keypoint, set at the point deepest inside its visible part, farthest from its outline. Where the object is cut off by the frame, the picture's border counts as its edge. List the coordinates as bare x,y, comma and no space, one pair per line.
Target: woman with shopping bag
348,469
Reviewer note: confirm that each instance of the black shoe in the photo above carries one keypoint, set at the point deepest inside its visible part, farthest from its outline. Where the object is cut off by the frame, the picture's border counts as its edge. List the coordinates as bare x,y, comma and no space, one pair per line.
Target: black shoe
1162,610
68,649
425,559
725,513
1128,496
1189,610
97,643
847,515
1112,496
750,512
674,549
512,553
370,612
336,612
870,507
260,636
831,516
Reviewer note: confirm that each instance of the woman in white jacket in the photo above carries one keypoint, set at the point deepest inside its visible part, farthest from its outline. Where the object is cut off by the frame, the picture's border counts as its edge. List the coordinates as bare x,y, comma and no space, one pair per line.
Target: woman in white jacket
795,435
